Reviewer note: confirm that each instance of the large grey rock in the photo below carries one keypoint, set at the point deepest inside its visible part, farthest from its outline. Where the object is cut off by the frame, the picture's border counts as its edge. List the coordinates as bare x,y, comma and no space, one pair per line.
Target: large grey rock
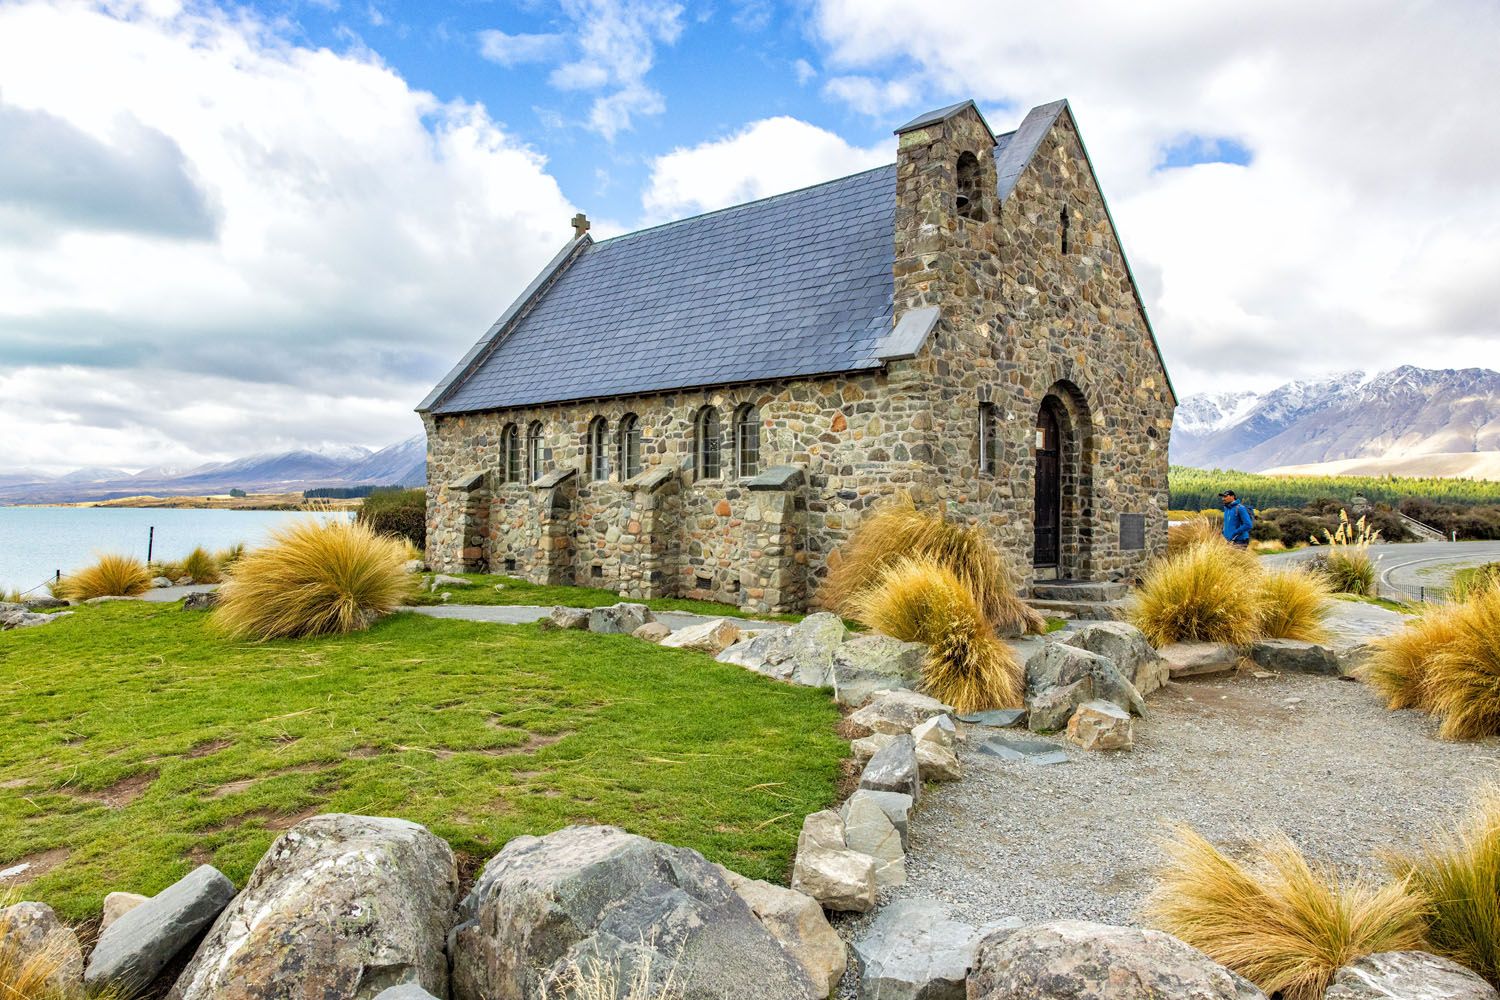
802,654
117,904
895,769
869,830
568,618
1077,960
711,637
1101,725
1049,709
31,929
160,582
1293,656
870,663
339,907
406,991
619,619
1032,751
141,942
936,762
897,806
916,949
1060,665
27,619
897,712
1188,659
1126,647
1408,975
203,600
652,632
828,871
44,603
594,895
798,924
868,746
939,729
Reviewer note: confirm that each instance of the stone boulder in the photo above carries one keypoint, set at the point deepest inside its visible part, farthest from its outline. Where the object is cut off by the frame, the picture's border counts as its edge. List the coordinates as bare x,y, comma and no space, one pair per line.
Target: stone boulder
1126,647
652,632
797,922
117,904
589,896
1188,659
801,654
619,619
939,729
339,907
440,580
30,929
1408,975
711,637
1292,656
897,806
1101,725
895,769
828,871
43,603
1049,709
406,991
568,618
870,663
916,949
1086,961
1060,665
868,830
28,619
897,712
936,762
203,600
160,581
138,944
868,746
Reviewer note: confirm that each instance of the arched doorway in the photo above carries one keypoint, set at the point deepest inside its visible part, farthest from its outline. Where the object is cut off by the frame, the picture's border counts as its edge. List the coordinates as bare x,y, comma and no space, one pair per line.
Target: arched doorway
1047,509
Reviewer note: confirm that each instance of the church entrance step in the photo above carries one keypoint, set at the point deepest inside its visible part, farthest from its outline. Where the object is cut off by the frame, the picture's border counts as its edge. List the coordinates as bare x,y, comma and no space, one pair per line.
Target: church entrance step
1078,590
1095,611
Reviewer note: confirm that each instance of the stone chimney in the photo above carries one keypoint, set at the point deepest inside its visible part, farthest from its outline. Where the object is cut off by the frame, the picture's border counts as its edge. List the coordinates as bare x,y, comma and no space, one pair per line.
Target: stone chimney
580,225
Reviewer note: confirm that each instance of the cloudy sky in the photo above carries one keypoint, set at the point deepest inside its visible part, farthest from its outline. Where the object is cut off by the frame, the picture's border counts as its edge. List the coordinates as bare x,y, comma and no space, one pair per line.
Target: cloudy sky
227,229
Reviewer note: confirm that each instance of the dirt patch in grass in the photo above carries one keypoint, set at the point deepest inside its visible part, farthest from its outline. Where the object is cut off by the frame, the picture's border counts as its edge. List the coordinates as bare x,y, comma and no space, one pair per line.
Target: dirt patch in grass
533,743
200,750
15,783
241,784
32,866
271,818
362,753
121,793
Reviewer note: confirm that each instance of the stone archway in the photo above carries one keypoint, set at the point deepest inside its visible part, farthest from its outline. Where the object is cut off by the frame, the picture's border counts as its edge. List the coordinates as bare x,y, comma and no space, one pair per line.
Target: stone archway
1063,497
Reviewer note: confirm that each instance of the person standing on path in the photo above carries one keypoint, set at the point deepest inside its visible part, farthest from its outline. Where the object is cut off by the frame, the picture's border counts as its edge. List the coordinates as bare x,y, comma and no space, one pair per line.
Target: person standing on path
1237,520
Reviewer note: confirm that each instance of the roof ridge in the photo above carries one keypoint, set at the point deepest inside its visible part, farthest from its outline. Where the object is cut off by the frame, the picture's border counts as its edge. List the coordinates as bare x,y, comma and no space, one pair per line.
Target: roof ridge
743,204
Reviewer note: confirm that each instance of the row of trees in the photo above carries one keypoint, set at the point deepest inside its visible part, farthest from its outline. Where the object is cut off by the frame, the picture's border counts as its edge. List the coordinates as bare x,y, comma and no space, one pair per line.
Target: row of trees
1197,489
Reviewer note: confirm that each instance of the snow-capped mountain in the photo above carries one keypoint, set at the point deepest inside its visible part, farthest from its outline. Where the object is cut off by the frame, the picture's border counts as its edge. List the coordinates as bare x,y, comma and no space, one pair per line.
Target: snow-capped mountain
1408,416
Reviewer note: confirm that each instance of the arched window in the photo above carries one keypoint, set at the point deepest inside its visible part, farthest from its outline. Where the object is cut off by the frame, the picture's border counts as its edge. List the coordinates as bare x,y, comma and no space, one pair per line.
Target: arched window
970,200
1063,227
630,447
989,439
746,441
708,443
598,452
510,455
534,451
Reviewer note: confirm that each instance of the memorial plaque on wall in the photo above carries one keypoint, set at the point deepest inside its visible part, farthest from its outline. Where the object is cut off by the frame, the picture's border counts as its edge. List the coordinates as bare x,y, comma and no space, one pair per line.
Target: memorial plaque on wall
1132,531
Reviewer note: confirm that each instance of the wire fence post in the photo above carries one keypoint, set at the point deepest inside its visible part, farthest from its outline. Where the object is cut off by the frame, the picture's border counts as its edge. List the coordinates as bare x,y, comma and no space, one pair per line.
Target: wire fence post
150,541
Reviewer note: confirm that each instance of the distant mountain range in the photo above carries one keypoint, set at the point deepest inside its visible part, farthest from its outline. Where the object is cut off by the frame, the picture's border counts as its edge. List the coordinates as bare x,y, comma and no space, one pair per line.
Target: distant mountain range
1408,421
403,464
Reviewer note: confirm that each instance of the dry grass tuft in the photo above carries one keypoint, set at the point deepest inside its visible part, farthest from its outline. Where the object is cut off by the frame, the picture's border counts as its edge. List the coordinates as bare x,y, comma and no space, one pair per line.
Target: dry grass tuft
1398,666
1194,531
596,980
1351,572
315,579
1463,675
28,974
918,599
111,576
897,529
1458,877
201,566
1293,604
1205,593
1284,925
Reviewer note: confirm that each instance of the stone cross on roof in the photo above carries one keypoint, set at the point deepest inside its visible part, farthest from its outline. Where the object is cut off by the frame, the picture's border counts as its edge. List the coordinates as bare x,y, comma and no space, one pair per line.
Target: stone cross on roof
580,225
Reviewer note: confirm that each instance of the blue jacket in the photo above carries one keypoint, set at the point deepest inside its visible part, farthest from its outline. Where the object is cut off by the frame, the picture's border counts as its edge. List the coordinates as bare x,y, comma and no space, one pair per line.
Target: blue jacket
1237,522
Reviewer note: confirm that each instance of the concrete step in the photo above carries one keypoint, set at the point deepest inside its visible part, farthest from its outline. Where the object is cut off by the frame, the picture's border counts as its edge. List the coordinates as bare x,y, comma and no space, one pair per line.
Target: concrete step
1099,611
1078,590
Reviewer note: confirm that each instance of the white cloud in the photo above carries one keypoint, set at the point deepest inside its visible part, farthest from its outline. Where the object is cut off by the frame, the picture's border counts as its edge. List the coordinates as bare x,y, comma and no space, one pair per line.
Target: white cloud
871,96
753,163
616,42
512,50
804,71
337,239
1364,232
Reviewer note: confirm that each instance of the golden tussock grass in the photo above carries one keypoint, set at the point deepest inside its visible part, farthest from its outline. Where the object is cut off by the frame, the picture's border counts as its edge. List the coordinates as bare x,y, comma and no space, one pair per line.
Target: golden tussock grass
1462,680
1457,877
111,576
919,599
1205,593
1397,666
1279,922
1194,531
1292,604
201,566
596,980
29,973
314,579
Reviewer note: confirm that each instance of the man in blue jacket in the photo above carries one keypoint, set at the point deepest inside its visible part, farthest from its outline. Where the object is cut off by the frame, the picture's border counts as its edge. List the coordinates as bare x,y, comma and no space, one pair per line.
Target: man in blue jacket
1237,520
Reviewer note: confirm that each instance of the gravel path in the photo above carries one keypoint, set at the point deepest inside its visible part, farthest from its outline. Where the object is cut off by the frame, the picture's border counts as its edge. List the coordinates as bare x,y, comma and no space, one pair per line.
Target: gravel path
1319,758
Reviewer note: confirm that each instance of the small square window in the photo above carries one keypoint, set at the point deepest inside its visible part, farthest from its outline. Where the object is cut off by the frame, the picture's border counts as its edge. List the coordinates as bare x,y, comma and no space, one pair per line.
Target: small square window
596,572
510,565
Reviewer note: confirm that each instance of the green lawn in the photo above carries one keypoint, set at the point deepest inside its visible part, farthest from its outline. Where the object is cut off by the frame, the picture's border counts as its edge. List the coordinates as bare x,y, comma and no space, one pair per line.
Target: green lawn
519,592
137,744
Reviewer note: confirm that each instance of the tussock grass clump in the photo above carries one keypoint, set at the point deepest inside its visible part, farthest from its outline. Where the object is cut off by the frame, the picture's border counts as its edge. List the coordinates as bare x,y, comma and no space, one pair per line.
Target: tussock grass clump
111,576
1397,667
918,599
1351,571
201,566
897,529
1196,530
1281,923
1293,604
1458,879
224,559
314,579
1206,593
1475,582
1463,675
27,973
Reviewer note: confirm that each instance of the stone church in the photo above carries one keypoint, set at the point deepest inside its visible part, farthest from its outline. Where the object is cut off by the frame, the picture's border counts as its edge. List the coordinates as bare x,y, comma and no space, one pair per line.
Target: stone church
706,408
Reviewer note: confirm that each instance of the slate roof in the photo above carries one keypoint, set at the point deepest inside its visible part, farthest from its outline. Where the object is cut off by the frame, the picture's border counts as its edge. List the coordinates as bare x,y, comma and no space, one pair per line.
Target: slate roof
794,285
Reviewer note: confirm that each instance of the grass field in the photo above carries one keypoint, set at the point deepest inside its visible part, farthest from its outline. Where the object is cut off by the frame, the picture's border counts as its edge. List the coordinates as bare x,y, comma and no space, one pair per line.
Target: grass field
519,592
138,744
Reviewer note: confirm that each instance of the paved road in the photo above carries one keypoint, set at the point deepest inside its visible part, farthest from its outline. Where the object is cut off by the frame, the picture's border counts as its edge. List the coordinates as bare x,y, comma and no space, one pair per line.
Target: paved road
1411,570
510,614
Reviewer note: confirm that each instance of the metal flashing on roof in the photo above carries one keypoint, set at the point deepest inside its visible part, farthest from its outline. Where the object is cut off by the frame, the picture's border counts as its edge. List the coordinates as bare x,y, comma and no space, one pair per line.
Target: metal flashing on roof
909,335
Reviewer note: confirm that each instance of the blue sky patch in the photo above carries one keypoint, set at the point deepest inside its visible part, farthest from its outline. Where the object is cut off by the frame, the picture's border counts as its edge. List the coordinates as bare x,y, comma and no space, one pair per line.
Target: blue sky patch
1195,149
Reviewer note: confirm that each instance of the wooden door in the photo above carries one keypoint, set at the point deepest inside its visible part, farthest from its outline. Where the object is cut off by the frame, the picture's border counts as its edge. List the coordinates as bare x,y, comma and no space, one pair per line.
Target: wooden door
1047,511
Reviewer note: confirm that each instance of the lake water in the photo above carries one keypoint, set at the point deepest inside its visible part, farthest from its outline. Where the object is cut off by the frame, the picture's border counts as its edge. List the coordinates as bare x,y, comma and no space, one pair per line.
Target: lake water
35,542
